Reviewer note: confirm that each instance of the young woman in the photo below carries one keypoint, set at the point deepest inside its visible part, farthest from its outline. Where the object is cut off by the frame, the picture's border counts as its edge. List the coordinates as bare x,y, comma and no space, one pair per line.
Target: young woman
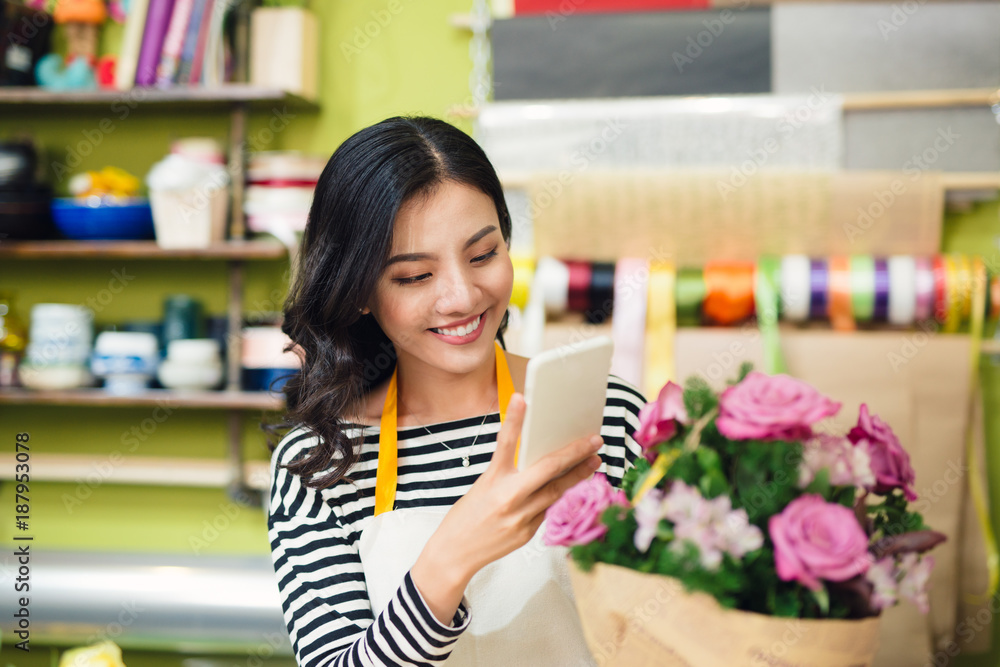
400,530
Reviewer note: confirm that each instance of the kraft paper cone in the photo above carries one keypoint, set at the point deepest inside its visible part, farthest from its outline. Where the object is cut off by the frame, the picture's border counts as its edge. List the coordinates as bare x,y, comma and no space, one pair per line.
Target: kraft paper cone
635,619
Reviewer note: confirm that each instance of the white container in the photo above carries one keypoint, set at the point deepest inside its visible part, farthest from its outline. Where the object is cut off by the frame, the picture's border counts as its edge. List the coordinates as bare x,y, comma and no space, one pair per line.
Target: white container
126,360
190,200
263,347
60,334
54,376
194,351
180,375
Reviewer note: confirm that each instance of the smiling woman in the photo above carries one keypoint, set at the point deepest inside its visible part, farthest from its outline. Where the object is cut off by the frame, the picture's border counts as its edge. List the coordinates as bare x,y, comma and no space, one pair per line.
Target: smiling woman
396,506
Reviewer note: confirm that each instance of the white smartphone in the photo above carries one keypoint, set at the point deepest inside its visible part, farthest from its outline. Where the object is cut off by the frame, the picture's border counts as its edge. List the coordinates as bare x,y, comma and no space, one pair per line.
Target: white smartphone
565,391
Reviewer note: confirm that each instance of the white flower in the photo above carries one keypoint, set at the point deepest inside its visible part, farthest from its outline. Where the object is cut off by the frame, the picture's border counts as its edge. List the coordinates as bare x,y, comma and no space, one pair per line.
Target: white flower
848,465
738,536
648,514
913,584
882,576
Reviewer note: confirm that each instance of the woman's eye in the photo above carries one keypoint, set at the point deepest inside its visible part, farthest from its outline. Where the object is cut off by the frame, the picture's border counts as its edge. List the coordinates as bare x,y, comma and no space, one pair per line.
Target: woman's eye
410,281
483,258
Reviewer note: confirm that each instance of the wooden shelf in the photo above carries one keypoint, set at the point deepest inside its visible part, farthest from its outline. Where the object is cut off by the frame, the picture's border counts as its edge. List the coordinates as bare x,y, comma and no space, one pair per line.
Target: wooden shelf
250,250
208,400
203,96
144,470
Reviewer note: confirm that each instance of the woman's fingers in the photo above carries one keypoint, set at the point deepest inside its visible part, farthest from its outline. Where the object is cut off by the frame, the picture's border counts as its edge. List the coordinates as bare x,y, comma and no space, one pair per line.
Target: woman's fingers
541,499
510,433
558,463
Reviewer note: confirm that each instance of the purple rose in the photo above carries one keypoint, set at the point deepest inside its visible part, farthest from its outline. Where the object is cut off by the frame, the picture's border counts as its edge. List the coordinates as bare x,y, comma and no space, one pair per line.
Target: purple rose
889,461
771,407
576,517
658,420
814,540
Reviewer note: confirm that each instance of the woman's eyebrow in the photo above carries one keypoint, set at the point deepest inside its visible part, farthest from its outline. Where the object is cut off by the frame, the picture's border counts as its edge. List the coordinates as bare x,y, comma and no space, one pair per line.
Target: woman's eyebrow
417,256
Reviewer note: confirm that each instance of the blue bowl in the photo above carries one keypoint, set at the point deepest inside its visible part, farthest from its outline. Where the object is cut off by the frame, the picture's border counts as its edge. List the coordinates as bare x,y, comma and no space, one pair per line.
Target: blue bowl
267,379
109,219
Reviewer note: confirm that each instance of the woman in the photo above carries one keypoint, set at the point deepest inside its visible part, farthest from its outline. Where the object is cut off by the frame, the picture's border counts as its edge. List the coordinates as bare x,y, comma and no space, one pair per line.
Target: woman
399,526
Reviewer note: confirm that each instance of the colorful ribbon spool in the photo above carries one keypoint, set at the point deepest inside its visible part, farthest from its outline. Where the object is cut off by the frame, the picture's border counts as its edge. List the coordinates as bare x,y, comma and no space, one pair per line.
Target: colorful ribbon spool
730,288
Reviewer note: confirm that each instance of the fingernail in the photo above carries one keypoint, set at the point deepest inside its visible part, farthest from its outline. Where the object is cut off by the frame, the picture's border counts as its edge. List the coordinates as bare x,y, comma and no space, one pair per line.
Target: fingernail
596,440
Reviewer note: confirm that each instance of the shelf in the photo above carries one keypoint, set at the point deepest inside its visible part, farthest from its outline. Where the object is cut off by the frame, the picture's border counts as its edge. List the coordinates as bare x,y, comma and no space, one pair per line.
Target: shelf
208,400
250,250
216,96
145,470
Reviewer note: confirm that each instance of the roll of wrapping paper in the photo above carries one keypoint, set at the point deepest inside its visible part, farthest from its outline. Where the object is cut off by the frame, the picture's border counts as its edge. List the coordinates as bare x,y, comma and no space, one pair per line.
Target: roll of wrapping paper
579,286
766,299
729,292
628,326
839,286
524,273
601,292
691,293
552,277
661,327
819,278
863,287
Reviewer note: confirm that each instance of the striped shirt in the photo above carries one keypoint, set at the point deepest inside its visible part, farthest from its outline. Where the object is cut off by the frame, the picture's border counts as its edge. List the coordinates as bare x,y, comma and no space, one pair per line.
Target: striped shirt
314,534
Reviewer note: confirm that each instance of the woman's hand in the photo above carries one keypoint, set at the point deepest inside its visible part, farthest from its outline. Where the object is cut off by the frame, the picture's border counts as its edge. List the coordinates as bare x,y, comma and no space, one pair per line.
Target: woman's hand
501,512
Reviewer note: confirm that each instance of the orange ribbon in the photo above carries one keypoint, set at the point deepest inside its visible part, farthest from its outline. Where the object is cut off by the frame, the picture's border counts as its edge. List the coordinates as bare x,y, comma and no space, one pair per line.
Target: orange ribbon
729,290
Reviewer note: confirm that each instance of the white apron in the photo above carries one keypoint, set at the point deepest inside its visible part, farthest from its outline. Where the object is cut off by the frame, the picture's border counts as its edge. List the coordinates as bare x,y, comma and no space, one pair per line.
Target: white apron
523,612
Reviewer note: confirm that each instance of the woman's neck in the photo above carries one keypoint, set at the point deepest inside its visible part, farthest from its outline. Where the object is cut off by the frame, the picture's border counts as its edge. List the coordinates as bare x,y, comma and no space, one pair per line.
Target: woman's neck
429,395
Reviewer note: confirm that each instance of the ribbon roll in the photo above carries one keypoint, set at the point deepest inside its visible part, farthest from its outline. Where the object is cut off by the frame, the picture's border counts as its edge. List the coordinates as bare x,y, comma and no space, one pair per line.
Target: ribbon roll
965,287
995,298
940,310
524,272
661,327
729,287
819,278
953,294
601,292
925,289
766,298
628,326
840,308
902,290
795,282
691,293
552,276
578,299
863,287
881,313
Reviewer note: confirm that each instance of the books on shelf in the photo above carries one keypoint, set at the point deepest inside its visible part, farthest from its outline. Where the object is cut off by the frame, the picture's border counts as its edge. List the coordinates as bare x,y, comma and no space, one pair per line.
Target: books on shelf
174,42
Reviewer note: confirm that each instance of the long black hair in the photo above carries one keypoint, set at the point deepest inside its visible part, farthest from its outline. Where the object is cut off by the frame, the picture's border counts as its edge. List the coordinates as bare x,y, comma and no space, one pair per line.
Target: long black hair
344,249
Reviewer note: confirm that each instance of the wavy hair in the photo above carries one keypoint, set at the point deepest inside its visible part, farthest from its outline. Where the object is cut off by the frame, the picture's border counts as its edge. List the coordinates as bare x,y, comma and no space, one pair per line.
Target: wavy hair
344,250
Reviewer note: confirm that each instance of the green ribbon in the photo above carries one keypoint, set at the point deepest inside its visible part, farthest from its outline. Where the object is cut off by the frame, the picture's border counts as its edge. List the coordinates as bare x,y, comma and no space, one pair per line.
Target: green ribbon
766,300
690,292
863,287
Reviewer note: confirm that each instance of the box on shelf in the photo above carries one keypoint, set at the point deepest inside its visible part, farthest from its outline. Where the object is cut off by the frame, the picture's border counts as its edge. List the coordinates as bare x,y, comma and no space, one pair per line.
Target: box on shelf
284,50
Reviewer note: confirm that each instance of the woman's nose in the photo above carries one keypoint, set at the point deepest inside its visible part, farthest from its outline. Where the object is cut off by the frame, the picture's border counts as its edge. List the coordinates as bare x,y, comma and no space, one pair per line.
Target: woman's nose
458,293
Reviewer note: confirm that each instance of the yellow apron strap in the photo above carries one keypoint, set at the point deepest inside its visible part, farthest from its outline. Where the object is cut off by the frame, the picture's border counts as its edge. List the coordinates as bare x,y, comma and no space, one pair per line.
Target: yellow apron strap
386,474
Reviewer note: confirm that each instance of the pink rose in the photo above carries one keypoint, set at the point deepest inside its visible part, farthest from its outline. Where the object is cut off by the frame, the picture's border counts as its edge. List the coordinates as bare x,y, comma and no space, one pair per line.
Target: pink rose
889,461
771,407
814,540
658,420
576,517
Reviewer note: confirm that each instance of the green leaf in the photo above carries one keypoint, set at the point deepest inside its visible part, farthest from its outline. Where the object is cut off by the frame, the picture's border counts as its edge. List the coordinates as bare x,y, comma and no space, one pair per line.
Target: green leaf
820,484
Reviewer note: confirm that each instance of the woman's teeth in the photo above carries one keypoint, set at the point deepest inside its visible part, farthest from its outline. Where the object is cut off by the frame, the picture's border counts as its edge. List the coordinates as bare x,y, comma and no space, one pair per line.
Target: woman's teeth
461,331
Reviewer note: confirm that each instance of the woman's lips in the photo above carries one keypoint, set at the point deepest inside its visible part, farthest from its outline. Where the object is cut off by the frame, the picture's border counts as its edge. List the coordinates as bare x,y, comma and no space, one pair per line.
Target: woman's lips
468,338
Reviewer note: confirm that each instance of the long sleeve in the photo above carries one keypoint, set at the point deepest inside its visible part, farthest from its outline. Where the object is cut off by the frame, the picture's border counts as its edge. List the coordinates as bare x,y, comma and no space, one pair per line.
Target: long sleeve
322,586
621,420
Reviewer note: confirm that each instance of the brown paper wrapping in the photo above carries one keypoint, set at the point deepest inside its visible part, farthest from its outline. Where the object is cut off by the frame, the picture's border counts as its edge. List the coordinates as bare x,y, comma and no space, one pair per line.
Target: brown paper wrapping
645,620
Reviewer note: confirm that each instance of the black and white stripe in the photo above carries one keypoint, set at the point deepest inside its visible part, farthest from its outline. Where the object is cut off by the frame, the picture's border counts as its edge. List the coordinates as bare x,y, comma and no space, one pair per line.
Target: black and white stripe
314,535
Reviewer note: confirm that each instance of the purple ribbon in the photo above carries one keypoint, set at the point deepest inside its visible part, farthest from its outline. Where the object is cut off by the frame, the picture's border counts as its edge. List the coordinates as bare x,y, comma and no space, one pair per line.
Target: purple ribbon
881,290
819,285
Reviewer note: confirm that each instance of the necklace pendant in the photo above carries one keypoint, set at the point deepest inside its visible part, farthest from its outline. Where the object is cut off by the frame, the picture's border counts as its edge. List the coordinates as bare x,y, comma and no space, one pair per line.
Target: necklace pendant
465,461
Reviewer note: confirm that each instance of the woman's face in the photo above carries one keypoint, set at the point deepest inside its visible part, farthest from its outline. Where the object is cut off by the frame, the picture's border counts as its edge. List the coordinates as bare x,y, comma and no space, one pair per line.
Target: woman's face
441,298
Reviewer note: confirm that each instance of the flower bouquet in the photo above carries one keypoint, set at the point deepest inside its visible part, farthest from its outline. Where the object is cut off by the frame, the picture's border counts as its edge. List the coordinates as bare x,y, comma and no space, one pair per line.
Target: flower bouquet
747,535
